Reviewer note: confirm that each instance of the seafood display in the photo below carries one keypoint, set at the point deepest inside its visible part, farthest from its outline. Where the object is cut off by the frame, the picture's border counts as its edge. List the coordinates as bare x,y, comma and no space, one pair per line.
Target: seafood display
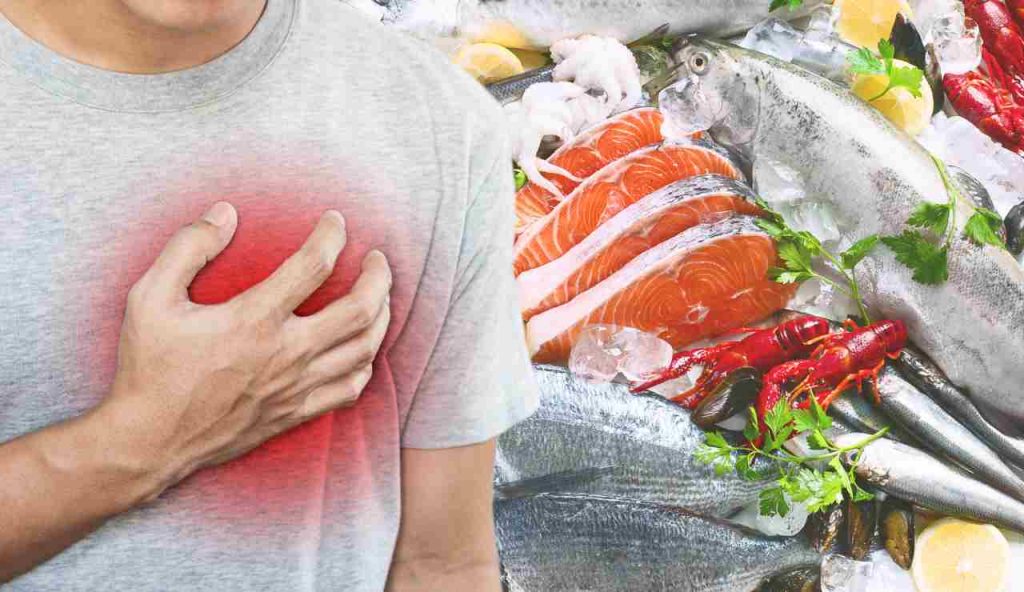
774,296
578,542
600,439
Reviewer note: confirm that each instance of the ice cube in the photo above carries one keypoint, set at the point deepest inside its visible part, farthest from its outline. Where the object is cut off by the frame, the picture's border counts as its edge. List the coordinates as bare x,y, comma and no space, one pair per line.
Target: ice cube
601,352
822,24
842,574
591,359
788,525
774,37
957,43
677,386
825,56
887,575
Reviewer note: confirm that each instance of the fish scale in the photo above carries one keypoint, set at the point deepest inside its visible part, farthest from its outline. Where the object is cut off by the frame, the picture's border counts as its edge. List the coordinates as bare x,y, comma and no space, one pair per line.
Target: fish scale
553,543
601,439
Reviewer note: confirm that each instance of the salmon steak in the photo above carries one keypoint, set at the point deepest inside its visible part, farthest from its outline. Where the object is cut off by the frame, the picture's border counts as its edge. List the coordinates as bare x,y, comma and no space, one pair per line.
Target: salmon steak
586,154
701,283
648,222
611,190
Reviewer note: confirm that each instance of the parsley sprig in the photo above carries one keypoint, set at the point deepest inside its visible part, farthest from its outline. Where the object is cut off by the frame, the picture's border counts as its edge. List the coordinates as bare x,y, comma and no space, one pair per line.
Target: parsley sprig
791,4
796,479
928,257
797,250
520,178
864,61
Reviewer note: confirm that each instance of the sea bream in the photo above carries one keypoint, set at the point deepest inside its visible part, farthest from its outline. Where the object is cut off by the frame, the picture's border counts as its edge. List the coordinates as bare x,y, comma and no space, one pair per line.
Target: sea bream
599,438
847,157
537,24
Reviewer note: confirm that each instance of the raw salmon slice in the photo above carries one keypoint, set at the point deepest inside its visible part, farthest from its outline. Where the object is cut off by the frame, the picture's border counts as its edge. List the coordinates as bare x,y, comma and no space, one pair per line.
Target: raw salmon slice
698,284
608,192
648,222
586,154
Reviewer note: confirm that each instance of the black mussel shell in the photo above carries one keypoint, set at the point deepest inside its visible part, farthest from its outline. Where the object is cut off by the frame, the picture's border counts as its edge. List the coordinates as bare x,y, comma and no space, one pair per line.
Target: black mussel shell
801,580
861,522
737,392
1014,224
897,524
825,528
907,42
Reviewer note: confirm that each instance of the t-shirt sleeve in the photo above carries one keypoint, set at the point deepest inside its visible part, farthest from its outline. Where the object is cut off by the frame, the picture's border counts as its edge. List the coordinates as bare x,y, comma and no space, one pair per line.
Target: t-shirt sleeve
478,381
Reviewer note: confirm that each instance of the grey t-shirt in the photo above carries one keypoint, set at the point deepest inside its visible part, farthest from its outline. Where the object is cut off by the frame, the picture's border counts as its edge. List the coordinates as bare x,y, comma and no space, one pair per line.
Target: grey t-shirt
315,109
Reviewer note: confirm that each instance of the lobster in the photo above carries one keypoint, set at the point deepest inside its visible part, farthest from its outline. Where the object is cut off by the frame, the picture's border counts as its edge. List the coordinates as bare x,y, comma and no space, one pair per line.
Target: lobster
841,359
762,349
982,98
1002,37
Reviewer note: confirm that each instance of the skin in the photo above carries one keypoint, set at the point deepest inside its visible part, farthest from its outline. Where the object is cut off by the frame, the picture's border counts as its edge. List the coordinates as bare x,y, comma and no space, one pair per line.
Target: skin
198,385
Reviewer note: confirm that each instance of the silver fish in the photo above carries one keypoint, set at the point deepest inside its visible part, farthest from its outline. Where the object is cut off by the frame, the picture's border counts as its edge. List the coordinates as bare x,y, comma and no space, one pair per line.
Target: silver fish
918,477
940,432
601,439
919,371
856,411
848,157
537,24
558,543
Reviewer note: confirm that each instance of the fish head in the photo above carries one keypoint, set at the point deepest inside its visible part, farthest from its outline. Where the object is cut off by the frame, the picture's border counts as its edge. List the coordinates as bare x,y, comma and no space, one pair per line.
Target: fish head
715,88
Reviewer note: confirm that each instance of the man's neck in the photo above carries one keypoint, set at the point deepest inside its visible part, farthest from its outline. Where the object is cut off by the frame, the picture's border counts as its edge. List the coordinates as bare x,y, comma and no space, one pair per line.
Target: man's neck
108,34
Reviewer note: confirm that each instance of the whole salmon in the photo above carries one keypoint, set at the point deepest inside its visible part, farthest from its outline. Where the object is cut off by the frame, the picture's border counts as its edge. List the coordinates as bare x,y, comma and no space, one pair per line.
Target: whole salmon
846,156
537,24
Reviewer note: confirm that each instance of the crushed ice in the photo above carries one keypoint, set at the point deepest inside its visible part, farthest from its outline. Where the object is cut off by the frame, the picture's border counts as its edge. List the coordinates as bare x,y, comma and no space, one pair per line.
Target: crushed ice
602,352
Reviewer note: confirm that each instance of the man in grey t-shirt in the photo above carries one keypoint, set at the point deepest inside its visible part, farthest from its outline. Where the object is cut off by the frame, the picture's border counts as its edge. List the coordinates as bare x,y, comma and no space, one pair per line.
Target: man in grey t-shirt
258,328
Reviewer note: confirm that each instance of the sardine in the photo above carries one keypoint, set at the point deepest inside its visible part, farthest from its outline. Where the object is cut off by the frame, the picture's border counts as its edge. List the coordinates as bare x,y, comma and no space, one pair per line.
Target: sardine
915,476
559,543
923,374
856,411
537,24
851,160
943,434
601,439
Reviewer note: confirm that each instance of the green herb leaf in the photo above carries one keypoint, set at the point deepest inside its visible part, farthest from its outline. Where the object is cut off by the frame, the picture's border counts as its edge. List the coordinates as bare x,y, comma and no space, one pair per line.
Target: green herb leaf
773,229
858,250
822,418
806,485
794,256
864,61
888,51
744,467
804,421
830,492
791,4
783,276
840,472
928,261
817,441
716,440
983,228
752,431
932,216
908,78
778,417
773,502
520,178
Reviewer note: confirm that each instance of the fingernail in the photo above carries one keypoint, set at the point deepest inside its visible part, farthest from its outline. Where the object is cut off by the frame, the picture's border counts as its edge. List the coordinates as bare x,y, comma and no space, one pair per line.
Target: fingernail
337,217
219,214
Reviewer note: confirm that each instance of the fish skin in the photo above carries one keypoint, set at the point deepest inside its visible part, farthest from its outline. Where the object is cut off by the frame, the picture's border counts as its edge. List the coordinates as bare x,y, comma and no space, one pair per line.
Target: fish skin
939,431
554,543
856,411
923,374
540,23
873,176
918,477
511,89
638,447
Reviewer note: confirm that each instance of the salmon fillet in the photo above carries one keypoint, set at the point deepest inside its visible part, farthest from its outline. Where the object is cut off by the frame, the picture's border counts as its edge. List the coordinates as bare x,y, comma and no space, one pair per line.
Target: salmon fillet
644,224
586,154
700,283
608,192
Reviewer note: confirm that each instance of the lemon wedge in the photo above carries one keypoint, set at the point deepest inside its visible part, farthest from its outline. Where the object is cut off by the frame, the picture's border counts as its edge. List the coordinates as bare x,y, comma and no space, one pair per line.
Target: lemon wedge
865,22
909,113
488,62
531,59
957,556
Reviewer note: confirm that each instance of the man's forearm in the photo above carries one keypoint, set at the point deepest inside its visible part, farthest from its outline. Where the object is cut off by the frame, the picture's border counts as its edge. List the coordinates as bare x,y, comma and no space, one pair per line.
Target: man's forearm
62,482
474,574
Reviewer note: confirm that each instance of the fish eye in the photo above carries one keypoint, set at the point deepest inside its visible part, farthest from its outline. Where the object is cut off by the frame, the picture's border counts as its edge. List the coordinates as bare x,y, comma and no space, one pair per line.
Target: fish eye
699,63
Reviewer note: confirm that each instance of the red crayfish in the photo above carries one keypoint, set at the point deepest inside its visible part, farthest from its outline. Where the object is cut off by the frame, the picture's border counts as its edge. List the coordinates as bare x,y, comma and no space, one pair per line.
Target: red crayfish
761,350
841,359
992,97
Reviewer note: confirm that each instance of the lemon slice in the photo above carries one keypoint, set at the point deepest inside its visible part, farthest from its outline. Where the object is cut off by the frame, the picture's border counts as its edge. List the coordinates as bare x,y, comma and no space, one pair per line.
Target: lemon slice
865,22
909,113
957,556
531,59
488,62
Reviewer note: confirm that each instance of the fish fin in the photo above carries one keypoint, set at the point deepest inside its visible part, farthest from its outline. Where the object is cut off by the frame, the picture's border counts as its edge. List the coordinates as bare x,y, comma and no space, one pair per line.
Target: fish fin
552,483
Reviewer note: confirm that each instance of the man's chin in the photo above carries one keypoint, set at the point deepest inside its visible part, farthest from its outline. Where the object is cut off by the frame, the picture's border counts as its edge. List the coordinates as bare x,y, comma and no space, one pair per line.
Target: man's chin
193,16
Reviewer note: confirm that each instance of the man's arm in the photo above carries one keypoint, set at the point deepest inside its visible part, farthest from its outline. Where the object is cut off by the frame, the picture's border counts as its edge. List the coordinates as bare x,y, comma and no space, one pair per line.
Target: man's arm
195,386
446,540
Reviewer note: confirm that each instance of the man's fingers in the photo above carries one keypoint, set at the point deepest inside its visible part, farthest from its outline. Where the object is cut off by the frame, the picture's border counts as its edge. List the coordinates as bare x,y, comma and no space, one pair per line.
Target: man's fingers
356,352
309,267
353,313
343,392
190,249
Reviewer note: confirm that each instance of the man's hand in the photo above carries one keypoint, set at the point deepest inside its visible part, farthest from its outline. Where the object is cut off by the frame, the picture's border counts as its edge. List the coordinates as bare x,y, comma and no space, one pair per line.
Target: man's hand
200,385
195,386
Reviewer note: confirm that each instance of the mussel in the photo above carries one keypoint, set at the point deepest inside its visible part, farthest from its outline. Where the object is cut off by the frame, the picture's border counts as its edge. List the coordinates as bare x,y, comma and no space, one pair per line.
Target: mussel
861,522
1014,224
806,579
825,527
897,524
737,392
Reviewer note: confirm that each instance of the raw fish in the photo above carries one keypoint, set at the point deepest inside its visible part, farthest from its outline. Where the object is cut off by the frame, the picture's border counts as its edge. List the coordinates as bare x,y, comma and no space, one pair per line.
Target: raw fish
700,283
608,192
